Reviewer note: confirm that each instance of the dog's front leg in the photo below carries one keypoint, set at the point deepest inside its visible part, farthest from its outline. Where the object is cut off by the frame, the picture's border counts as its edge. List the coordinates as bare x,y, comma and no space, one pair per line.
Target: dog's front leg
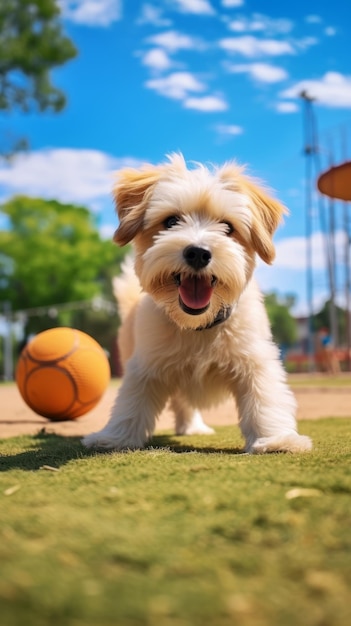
267,409
138,403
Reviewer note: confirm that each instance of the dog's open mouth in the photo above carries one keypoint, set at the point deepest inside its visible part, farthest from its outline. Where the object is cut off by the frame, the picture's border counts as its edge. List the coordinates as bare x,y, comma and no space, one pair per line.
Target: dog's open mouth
195,292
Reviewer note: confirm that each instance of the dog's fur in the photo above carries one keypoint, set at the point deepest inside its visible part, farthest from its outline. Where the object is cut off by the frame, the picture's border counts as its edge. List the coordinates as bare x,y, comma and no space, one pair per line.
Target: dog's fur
194,327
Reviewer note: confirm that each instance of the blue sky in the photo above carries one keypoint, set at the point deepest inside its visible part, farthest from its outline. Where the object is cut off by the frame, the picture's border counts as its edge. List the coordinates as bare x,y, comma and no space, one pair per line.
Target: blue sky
215,79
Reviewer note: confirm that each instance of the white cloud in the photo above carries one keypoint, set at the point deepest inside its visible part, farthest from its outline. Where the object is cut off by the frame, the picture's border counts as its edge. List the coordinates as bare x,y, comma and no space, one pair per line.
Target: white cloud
157,59
261,23
229,129
250,46
91,12
206,104
199,7
288,273
107,231
77,176
294,192
261,72
176,85
291,253
332,90
173,41
286,107
305,43
152,15
330,31
180,86
239,25
232,4
313,19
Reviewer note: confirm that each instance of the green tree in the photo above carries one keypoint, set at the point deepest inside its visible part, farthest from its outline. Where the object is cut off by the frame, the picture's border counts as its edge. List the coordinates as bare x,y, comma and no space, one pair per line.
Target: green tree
52,253
322,320
32,43
283,324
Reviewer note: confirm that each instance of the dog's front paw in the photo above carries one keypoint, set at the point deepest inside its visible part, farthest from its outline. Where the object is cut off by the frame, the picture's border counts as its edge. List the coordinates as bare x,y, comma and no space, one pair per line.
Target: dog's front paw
292,442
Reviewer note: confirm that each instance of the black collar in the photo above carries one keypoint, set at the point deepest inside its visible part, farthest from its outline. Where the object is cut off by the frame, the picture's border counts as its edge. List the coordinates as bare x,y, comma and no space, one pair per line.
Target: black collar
222,315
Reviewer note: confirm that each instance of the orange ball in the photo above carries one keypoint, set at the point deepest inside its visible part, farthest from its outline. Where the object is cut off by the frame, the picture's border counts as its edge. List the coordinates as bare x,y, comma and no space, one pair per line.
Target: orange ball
62,373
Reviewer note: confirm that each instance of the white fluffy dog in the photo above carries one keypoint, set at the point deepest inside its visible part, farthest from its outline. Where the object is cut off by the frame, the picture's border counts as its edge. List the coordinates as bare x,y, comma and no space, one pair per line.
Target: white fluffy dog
194,325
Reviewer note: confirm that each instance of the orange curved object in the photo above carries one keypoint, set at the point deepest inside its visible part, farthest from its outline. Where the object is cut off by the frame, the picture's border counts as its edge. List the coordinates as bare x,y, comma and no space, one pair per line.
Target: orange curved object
336,182
62,373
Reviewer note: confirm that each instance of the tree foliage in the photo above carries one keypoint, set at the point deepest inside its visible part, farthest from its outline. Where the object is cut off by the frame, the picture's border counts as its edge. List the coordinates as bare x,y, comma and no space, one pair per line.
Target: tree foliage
283,324
322,320
52,253
32,43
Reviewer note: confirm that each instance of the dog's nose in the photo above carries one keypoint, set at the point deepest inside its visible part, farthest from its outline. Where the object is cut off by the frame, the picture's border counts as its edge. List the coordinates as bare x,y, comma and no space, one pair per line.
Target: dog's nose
197,257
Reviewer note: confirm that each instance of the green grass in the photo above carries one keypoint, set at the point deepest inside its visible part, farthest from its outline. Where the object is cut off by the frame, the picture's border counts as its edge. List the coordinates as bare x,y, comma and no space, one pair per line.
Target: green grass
188,532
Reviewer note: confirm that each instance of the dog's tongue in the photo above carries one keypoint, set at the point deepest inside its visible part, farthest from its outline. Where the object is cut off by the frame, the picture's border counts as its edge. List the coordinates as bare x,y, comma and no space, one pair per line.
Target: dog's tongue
195,292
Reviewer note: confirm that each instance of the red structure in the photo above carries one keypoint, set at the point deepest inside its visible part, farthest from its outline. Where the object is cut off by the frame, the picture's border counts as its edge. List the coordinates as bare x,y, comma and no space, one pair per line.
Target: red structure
336,182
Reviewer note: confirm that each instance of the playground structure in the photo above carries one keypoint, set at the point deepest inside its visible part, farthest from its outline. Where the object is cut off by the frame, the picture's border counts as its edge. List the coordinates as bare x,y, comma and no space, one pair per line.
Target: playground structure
333,183
336,184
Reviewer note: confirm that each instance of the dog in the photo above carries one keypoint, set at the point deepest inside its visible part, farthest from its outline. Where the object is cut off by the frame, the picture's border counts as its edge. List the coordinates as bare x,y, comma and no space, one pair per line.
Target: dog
194,326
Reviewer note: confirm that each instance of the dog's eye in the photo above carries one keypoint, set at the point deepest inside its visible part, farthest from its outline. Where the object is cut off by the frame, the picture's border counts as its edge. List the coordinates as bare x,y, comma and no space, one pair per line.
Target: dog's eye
229,227
171,221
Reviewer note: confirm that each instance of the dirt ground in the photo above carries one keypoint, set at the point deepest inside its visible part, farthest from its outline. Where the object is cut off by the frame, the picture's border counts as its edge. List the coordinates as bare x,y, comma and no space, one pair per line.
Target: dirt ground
17,419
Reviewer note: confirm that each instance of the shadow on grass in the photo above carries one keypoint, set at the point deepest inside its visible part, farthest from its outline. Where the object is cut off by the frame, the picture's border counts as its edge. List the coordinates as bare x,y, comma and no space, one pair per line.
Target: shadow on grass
56,451
176,443
46,449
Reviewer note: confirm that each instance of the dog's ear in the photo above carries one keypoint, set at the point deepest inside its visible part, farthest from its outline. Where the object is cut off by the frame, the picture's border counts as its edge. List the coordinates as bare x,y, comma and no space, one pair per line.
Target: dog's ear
267,214
131,193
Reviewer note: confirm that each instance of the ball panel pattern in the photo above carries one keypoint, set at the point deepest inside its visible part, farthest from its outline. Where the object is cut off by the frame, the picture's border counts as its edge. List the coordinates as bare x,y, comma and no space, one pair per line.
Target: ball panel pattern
52,345
21,372
86,367
62,373
41,391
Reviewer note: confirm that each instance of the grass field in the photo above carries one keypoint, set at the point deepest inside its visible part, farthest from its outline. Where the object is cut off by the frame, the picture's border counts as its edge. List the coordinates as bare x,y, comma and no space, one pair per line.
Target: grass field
189,531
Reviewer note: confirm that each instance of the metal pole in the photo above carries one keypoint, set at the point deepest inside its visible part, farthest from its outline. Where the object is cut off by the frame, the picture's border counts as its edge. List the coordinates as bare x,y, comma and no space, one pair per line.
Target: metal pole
347,260
333,316
328,235
331,234
308,151
8,355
